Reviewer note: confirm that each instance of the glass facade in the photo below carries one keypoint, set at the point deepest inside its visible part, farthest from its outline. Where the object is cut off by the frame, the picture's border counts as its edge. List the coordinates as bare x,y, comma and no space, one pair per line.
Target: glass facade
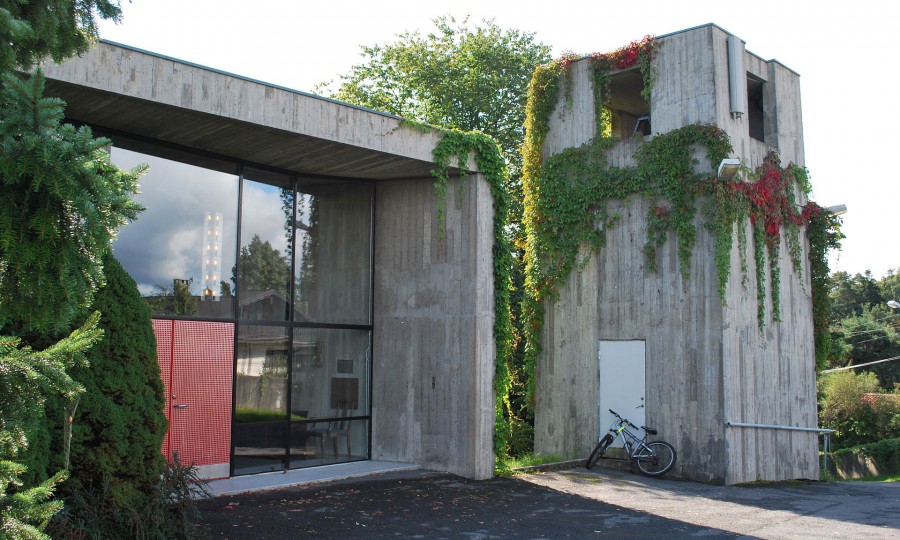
288,262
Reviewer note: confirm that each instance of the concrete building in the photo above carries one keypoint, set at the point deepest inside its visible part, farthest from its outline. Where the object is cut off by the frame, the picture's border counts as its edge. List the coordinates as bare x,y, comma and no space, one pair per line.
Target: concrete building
657,347
328,320
332,309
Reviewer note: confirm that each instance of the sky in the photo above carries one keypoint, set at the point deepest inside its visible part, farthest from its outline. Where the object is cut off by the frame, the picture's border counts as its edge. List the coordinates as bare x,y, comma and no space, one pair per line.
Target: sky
844,52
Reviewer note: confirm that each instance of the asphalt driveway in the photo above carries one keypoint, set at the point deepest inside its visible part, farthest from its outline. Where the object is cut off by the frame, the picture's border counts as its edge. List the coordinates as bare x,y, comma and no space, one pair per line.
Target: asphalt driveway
573,503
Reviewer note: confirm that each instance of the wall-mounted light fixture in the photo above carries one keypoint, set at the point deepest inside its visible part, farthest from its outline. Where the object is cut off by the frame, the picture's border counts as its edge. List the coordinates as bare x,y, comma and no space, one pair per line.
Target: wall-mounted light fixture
837,209
728,169
893,304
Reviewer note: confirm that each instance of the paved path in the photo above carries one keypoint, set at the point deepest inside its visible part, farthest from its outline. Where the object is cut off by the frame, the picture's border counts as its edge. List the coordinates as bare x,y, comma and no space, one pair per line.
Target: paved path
574,503
780,510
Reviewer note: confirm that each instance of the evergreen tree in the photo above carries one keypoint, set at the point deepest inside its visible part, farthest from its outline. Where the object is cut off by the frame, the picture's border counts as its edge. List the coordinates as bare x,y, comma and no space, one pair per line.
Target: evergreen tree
119,423
61,202
27,378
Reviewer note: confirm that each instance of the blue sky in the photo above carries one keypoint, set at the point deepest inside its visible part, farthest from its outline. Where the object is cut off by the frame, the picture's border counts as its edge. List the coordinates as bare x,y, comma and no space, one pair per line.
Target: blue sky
842,50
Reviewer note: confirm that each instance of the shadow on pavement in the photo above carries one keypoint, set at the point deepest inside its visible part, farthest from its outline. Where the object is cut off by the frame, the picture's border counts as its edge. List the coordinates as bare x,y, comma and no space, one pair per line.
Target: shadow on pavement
431,505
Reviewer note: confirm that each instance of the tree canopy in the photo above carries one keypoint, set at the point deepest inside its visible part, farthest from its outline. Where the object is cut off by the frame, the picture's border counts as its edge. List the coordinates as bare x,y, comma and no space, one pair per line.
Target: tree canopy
472,78
863,327
61,199
61,203
263,267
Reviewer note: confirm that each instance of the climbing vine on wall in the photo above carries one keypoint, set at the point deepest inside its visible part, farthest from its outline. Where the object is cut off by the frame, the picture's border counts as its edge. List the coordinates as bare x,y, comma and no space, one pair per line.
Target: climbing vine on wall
768,198
461,146
824,233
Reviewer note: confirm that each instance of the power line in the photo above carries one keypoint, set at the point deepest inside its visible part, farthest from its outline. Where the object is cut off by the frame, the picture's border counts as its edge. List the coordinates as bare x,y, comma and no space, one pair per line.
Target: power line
860,365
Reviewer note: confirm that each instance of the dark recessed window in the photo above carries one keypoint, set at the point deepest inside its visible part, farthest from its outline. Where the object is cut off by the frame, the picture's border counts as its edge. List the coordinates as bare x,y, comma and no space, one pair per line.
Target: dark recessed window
756,108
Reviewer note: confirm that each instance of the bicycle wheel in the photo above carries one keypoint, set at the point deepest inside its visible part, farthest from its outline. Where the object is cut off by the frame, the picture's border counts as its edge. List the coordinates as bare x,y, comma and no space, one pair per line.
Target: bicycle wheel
598,450
655,458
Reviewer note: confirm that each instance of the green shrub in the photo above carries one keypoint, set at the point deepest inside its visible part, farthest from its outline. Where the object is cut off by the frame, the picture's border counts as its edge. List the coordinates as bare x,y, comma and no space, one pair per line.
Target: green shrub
857,420
170,513
119,423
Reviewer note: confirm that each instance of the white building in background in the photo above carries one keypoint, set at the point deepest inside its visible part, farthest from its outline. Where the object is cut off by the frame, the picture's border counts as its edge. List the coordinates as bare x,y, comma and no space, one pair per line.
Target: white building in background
212,255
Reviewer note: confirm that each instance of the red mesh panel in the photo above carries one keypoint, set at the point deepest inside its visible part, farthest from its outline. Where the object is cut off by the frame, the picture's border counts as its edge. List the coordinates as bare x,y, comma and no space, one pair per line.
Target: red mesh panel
200,429
195,360
163,331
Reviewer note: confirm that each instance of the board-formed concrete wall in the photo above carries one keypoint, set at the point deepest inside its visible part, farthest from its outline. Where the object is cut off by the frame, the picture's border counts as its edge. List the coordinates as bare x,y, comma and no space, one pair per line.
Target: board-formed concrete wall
432,399
707,364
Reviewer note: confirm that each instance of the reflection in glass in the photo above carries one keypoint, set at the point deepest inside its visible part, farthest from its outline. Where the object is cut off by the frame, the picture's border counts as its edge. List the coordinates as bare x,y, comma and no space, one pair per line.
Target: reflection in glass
264,262
262,373
333,257
259,448
330,373
176,249
328,442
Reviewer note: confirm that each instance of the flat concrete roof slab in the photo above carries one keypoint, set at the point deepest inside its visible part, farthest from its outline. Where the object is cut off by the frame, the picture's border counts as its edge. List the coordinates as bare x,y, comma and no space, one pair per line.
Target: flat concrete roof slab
130,91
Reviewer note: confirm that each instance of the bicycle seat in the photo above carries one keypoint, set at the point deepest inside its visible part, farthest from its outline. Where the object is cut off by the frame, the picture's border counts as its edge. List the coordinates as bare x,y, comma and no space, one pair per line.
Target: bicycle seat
650,431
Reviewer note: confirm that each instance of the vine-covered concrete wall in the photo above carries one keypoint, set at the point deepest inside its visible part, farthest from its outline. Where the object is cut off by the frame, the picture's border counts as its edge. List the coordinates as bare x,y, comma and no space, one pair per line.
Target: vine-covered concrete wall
708,361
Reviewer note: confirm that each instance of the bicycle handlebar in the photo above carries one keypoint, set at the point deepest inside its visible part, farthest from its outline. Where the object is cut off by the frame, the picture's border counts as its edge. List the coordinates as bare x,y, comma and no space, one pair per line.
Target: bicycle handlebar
623,419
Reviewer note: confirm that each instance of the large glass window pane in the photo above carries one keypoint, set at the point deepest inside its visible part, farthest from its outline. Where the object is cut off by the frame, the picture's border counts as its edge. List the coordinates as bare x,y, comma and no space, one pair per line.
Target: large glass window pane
262,373
330,373
179,248
261,394
335,441
333,256
259,448
264,279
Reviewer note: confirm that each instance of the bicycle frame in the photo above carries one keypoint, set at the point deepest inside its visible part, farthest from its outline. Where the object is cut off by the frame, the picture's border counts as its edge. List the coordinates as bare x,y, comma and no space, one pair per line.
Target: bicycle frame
631,441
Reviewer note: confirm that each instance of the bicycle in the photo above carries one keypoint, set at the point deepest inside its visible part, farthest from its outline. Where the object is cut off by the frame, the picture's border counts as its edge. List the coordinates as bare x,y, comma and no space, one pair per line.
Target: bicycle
654,458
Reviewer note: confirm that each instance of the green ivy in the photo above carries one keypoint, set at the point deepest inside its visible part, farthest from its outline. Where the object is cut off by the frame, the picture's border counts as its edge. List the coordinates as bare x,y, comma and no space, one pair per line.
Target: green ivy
824,234
461,146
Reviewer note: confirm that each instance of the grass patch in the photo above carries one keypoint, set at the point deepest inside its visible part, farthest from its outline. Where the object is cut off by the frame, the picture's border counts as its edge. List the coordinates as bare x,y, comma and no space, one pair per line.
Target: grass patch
531,460
507,467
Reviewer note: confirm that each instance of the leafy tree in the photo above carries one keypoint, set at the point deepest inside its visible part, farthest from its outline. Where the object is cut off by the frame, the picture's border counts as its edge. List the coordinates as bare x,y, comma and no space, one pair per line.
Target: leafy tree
857,419
472,78
185,303
890,290
863,328
262,267
119,423
851,295
866,338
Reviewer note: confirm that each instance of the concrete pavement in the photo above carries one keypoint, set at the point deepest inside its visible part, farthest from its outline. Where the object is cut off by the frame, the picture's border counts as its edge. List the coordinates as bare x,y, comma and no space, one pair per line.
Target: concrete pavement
573,503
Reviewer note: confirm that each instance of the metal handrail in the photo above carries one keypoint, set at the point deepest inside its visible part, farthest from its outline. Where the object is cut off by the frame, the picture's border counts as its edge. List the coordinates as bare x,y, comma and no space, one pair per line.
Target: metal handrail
826,432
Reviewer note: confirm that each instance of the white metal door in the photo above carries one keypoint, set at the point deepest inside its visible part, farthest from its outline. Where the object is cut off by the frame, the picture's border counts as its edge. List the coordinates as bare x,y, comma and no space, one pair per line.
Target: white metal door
622,382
